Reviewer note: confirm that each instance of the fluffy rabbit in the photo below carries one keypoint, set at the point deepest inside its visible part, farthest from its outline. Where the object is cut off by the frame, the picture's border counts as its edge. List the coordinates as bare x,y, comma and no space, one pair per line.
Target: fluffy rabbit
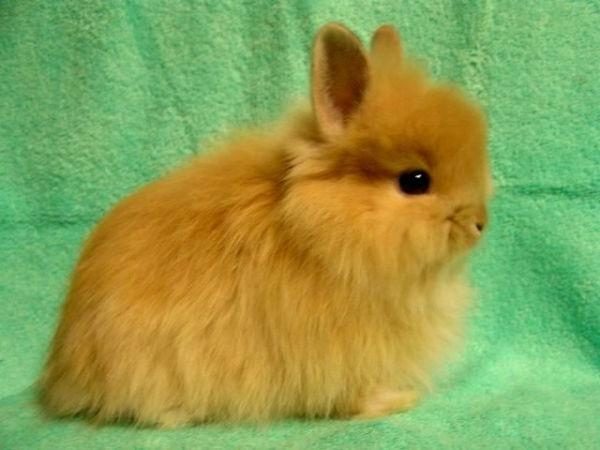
314,270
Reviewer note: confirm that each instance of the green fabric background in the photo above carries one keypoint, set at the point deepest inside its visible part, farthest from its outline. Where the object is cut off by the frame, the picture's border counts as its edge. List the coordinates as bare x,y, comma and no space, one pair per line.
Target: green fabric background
97,97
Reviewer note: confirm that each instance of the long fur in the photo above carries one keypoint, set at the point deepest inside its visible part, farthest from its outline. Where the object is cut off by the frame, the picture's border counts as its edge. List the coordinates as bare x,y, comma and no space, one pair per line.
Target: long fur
284,274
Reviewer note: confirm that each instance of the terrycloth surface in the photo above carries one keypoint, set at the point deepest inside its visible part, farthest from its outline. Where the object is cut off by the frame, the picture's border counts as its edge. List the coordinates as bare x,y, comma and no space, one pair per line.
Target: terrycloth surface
97,97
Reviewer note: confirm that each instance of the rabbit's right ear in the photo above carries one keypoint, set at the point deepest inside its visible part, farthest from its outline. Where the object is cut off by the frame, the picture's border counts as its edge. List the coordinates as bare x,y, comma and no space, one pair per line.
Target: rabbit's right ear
339,77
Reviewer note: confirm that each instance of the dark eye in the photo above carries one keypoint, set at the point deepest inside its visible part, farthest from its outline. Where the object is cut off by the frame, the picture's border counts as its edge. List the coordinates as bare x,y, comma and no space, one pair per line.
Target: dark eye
414,182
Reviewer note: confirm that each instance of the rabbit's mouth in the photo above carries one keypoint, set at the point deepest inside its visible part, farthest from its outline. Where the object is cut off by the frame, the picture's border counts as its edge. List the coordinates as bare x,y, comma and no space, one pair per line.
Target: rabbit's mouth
466,225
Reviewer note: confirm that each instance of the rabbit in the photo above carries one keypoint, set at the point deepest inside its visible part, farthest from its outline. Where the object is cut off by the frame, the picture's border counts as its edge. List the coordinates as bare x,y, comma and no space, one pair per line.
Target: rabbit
312,269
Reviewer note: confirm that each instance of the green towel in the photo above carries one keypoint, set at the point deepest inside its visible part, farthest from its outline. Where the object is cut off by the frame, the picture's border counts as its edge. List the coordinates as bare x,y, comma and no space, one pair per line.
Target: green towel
97,97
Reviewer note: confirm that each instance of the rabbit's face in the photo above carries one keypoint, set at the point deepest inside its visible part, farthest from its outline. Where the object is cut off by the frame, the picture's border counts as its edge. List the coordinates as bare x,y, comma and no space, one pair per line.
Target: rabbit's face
427,147
402,179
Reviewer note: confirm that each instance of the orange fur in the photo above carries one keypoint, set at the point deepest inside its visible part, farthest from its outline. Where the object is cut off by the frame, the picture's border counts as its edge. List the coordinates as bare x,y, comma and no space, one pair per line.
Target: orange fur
286,274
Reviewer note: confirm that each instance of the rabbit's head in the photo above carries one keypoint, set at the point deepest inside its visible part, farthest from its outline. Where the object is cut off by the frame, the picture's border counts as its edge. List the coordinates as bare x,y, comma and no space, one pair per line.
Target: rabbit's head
397,177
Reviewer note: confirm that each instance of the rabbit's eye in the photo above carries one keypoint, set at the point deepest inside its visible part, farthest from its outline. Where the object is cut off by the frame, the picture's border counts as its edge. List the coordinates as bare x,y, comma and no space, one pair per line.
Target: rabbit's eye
414,182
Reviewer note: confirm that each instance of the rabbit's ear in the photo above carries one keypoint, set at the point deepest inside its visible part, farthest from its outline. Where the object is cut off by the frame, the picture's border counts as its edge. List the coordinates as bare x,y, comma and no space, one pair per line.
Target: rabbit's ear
386,47
339,77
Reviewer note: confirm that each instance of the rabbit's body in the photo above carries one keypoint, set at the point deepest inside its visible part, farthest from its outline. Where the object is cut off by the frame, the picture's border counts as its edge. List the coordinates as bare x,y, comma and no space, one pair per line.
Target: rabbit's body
264,281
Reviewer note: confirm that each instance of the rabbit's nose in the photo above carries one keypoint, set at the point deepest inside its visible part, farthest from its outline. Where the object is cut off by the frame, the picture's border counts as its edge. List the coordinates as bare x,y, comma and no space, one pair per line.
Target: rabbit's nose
480,217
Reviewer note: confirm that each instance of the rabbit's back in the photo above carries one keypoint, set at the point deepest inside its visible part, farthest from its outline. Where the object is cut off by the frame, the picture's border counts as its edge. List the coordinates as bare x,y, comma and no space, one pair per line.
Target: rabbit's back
156,291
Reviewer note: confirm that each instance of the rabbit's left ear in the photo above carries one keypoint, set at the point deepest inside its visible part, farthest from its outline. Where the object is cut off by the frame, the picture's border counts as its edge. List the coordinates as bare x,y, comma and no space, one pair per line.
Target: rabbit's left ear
339,77
386,47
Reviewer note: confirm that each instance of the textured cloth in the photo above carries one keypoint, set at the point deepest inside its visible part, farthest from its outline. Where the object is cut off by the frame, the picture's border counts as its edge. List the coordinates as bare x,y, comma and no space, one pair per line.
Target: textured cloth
98,97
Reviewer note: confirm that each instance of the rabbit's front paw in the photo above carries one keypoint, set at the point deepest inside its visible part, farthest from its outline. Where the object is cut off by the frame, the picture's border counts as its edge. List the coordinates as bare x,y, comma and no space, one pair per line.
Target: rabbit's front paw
384,401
